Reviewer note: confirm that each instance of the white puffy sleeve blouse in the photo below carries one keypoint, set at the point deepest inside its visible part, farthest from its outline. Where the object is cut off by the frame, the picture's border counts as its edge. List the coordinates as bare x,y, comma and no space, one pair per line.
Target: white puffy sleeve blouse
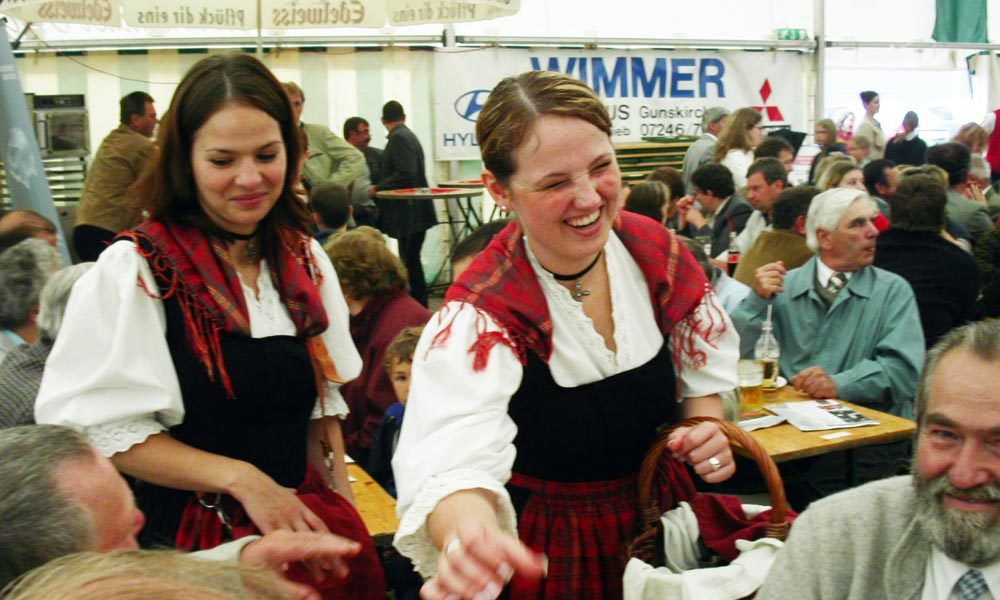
110,373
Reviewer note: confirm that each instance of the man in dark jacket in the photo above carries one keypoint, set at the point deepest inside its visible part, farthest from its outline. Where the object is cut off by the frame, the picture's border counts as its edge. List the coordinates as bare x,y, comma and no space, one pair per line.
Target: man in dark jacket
406,220
726,211
944,278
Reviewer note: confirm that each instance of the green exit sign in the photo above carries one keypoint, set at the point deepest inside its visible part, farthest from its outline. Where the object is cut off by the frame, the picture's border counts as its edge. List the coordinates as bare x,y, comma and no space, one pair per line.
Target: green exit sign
792,34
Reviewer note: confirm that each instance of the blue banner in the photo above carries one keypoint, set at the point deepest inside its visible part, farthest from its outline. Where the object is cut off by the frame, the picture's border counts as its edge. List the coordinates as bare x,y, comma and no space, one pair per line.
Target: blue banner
22,160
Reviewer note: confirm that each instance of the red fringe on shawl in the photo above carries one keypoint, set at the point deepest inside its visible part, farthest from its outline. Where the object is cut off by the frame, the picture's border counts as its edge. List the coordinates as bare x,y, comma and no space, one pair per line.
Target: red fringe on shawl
198,271
501,283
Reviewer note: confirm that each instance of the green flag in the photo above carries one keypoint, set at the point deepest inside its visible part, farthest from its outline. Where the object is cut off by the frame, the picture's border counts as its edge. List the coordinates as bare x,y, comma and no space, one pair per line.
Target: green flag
961,21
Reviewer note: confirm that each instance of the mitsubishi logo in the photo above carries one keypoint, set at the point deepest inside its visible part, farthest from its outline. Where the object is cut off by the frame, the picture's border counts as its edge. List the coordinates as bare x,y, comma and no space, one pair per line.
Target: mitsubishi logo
470,103
773,112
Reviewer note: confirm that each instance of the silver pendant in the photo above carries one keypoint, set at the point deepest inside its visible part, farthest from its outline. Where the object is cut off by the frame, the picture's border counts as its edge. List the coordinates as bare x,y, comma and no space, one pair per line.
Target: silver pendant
578,292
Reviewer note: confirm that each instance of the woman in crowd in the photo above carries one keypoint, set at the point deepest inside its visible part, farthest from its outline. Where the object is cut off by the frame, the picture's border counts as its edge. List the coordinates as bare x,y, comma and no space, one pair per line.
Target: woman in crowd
826,138
537,364
738,138
374,284
906,147
842,174
846,174
223,334
650,199
674,180
845,127
973,137
870,128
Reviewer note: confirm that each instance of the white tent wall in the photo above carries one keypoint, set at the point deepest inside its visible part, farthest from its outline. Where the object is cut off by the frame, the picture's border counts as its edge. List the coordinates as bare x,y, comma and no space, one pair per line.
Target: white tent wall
337,84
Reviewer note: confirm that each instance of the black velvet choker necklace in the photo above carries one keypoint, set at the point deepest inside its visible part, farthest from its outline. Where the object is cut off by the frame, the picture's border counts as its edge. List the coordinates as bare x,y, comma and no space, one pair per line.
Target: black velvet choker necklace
581,273
578,292
253,243
243,237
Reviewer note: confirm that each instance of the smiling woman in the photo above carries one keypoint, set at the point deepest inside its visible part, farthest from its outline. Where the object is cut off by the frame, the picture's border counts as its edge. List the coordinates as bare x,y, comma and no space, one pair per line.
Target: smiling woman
539,387
224,335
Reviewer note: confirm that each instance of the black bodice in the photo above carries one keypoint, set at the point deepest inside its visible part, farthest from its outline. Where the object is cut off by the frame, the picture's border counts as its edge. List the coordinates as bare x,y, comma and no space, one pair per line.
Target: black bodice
266,424
594,432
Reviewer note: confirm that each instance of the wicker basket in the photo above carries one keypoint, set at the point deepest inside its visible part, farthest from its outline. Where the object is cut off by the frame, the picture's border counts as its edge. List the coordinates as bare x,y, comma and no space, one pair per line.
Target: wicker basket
648,545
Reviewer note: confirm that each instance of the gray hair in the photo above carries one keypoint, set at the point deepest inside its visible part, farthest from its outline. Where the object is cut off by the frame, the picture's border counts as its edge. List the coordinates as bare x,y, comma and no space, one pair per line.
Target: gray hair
981,339
40,520
24,269
978,167
147,575
55,295
827,208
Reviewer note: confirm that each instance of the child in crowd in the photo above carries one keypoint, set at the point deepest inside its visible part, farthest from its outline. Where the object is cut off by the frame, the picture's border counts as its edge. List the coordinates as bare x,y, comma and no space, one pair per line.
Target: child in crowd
398,359
330,205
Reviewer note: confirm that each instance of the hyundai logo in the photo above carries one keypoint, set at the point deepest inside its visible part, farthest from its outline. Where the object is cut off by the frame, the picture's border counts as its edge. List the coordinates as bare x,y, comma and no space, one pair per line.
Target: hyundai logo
470,103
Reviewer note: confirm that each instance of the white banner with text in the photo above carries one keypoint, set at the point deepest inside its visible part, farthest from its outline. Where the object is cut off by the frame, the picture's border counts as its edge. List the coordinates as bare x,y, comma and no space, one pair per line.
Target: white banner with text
649,93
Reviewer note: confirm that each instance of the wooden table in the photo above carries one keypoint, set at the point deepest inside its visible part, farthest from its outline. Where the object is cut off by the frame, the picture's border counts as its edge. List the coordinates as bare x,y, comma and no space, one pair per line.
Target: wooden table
469,220
377,507
784,442
495,212
462,183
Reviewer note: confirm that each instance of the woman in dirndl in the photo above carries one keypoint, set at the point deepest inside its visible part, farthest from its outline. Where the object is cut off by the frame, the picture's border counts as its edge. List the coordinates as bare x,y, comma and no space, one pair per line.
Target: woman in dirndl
541,382
204,350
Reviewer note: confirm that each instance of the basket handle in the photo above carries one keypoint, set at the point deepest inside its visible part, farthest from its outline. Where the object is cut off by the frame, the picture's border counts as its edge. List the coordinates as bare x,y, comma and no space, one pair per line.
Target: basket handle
777,527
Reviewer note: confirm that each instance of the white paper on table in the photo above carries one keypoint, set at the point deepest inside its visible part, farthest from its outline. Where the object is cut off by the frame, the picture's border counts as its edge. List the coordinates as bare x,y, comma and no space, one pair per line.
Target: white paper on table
817,415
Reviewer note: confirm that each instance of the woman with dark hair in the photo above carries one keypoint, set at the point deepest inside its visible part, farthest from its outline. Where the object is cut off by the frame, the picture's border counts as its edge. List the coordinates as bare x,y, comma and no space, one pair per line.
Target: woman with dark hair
374,284
870,128
539,385
223,334
674,180
906,147
737,140
649,199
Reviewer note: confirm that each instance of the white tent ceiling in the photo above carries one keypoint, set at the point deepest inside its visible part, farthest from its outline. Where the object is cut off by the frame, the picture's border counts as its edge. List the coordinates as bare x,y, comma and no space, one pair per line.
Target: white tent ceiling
897,21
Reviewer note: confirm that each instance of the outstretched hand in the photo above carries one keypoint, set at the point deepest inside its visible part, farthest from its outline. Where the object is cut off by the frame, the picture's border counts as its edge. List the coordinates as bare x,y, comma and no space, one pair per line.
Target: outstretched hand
477,562
278,549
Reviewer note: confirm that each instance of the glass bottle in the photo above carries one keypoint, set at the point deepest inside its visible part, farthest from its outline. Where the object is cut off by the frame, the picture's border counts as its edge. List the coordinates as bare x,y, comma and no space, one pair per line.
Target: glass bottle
733,260
768,354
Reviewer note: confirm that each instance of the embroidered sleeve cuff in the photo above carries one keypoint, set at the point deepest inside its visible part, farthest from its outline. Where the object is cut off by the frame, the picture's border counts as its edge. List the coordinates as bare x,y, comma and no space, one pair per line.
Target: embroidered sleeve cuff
333,405
119,436
412,538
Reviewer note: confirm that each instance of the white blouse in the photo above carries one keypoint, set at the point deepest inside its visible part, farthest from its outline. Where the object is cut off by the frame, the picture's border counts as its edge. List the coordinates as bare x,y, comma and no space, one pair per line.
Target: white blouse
738,161
110,373
457,433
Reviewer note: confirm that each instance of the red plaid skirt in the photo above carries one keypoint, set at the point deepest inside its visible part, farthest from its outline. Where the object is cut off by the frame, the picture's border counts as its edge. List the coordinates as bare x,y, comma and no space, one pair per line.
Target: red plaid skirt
583,528
200,529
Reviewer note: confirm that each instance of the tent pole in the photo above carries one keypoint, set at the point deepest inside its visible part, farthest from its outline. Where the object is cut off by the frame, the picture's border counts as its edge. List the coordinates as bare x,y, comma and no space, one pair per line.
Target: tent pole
454,167
260,45
819,10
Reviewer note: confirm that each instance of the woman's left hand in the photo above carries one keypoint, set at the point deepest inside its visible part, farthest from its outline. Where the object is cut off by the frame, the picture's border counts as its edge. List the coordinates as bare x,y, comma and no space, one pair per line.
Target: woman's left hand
705,448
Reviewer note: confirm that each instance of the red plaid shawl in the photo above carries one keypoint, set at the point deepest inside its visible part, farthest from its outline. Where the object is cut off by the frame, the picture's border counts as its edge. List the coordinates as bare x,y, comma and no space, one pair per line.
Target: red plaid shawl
501,283
200,274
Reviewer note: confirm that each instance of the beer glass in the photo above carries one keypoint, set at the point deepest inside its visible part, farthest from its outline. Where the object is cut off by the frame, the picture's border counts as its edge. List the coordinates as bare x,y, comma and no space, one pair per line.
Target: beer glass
750,376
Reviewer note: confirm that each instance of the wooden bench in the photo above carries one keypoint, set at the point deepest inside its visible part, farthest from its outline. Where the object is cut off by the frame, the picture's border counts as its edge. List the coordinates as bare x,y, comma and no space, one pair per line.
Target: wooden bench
376,506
